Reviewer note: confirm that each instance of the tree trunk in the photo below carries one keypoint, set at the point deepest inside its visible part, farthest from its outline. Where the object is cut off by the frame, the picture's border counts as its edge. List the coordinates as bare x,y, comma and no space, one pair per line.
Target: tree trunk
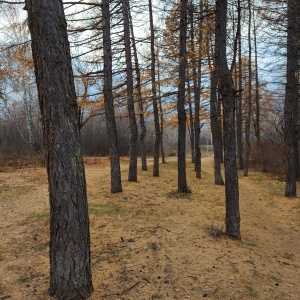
70,271
116,183
291,100
182,183
154,98
161,114
140,99
216,129
133,135
239,117
249,103
197,84
228,98
191,117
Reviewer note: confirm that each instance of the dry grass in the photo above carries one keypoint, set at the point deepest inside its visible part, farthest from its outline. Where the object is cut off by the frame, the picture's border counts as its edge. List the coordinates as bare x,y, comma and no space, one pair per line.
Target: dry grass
150,242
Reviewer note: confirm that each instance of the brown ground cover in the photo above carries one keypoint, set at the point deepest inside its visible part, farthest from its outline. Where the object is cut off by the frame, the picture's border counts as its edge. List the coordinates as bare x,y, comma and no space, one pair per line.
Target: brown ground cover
151,243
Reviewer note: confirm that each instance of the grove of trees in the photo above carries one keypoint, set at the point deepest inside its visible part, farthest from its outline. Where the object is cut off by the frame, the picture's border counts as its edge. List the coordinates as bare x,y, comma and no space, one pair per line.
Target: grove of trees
142,78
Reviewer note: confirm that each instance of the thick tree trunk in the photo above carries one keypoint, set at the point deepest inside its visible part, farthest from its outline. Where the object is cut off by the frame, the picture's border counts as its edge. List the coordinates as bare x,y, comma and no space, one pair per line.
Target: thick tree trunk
182,183
133,134
216,128
154,98
116,183
291,100
227,96
70,271
140,98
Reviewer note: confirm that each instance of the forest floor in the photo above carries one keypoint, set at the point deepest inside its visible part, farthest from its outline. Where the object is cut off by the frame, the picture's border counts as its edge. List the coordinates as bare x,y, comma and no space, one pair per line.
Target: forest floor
150,242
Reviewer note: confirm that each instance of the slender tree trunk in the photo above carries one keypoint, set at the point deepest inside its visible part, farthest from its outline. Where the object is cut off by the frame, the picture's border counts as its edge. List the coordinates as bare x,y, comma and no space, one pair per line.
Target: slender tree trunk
191,117
239,117
291,100
249,104
216,128
140,99
197,85
257,104
70,270
154,98
182,183
133,134
161,114
228,98
116,183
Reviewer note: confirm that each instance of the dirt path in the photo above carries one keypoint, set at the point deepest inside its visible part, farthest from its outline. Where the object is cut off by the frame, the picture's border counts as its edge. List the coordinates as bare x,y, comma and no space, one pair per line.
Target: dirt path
151,243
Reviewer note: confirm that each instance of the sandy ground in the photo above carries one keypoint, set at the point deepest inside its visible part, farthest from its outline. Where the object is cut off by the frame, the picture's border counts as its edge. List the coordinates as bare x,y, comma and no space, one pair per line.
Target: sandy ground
151,243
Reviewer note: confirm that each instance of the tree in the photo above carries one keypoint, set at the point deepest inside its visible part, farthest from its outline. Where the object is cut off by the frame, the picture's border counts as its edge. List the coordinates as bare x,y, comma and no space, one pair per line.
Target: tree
116,183
154,96
291,99
228,98
70,270
182,183
133,135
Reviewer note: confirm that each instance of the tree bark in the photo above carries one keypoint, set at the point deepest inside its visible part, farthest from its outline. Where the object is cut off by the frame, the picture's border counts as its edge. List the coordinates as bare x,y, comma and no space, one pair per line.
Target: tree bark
133,135
116,182
227,96
70,270
154,97
291,100
182,183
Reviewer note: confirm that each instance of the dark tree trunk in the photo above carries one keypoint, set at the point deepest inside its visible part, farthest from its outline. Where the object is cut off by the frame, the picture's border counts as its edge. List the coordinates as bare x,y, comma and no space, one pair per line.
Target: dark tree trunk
239,117
133,134
228,98
249,102
154,98
161,115
70,271
191,117
291,100
257,104
140,99
182,183
216,128
197,85
116,183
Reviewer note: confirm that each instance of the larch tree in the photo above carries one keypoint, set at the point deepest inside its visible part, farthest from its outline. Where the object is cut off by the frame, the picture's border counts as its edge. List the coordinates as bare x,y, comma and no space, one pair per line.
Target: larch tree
154,95
182,182
116,183
226,89
70,270
291,109
133,133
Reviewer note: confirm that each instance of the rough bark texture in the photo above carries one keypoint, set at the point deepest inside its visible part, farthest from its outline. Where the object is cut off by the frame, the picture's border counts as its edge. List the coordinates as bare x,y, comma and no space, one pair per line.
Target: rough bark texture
291,101
182,183
227,96
154,98
133,133
70,271
216,128
116,182
140,98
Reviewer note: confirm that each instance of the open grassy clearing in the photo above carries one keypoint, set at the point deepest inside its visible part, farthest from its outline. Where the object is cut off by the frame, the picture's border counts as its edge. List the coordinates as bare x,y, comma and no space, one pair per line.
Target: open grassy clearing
150,242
